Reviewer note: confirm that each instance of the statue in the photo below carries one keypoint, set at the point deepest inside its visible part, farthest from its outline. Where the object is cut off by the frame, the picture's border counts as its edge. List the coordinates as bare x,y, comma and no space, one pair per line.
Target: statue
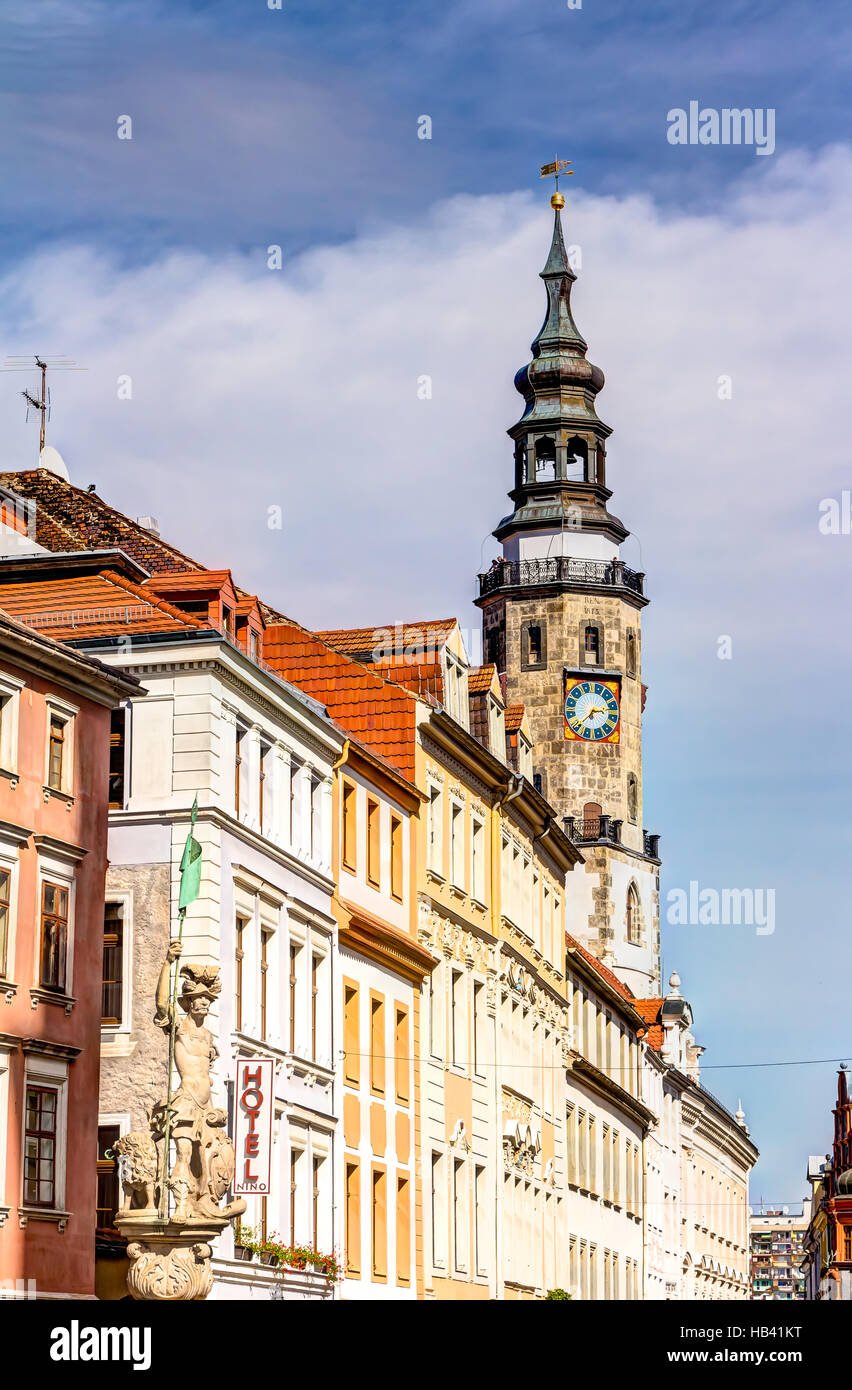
138,1170
170,1253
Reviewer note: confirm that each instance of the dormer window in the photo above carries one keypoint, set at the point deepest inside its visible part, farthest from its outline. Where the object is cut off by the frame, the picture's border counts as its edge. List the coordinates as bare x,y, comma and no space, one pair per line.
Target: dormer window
228,620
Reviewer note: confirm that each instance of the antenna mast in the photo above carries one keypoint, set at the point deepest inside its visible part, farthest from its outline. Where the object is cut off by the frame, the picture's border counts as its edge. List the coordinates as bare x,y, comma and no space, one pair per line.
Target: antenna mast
39,401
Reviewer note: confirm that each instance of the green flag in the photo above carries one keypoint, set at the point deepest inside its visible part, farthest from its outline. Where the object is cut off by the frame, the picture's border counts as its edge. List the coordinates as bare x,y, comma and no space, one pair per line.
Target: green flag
190,866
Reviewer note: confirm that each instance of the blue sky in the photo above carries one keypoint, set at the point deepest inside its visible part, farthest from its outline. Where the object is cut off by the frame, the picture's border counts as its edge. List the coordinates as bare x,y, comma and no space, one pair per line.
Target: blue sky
254,127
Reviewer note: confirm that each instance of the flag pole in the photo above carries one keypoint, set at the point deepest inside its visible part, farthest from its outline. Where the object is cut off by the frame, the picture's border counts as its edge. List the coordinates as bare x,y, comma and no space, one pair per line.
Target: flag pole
190,882
167,1127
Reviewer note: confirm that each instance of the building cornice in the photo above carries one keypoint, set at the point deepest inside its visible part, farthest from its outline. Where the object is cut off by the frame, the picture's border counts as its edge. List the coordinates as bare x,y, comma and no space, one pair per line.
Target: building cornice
604,1085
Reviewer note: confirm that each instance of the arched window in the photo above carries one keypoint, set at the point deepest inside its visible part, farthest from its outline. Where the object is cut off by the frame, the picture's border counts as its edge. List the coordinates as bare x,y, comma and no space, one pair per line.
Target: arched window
632,796
592,646
545,460
576,459
631,654
634,926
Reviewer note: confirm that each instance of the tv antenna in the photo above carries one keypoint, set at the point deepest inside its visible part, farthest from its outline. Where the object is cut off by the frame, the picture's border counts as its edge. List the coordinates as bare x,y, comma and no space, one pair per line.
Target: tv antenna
39,401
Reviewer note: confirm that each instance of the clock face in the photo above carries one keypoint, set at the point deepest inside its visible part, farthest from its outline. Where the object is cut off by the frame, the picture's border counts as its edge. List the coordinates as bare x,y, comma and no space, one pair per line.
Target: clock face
592,713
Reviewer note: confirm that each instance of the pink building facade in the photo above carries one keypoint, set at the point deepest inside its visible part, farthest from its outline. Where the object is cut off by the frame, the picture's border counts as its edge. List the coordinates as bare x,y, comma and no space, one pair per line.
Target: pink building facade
55,717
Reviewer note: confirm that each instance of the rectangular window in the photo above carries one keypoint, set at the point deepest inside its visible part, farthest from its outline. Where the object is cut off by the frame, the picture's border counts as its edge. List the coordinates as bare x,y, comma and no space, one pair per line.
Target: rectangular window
316,967
847,1242
54,936
239,956
460,1217
107,1170
262,800
480,1221
56,753
238,767
439,1213
401,1054
316,818
295,804
295,1157
293,983
351,1039
350,807
458,1010
435,837
315,1196
374,844
457,845
5,889
40,1147
117,724
403,1229
396,858
377,1044
264,973
477,859
478,1026
113,962
352,1219
379,1224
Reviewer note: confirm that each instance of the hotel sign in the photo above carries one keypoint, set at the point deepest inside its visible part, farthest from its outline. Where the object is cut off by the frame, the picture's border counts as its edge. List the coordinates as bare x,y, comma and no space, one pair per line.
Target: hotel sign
253,1115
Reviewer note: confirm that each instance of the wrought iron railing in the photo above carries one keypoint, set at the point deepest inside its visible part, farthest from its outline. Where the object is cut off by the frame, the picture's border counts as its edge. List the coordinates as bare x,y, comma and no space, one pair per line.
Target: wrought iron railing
593,830
560,569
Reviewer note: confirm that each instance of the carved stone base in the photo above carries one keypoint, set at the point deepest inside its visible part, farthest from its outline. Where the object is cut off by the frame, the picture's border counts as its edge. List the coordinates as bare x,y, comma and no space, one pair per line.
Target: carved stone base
169,1261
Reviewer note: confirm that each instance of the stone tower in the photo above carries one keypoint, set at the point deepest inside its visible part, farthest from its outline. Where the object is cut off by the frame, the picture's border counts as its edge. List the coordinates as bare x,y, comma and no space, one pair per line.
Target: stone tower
561,615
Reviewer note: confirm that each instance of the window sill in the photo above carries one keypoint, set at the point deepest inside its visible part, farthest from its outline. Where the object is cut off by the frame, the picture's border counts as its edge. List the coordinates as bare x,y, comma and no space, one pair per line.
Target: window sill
67,797
4,1212
435,875
51,1214
479,904
456,891
49,996
12,775
8,989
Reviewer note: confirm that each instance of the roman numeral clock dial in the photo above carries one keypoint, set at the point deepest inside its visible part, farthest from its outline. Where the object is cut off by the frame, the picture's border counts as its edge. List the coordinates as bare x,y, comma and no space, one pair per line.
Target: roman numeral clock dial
592,710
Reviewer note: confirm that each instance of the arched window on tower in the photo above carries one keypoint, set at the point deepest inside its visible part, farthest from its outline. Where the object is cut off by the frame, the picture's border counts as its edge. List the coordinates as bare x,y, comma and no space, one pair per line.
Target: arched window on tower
631,654
576,458
545,460
632,796
591,646
634,925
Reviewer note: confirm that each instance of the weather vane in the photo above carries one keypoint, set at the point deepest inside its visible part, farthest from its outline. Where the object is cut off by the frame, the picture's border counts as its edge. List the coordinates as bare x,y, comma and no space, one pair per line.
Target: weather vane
39,402
559,166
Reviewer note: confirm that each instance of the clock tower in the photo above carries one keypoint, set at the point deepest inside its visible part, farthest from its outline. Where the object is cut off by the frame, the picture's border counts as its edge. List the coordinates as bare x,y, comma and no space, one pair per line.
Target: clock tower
561,617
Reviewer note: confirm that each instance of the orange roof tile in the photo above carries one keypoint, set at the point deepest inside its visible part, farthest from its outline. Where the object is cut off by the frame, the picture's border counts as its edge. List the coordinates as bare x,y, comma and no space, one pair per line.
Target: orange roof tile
603,970
98,605
650,1011
514,717
375,710
480,678
389,643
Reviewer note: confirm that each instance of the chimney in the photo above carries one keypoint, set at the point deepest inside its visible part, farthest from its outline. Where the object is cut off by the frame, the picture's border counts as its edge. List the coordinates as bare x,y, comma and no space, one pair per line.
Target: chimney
149,523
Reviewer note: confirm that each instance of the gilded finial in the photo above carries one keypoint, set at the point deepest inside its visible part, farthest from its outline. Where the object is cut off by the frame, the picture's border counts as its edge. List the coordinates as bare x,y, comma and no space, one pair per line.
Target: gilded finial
559,166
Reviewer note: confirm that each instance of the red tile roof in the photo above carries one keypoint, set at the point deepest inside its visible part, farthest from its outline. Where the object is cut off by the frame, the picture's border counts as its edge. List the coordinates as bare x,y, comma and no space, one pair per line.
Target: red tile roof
650,1011
379,713
480,679
514,718
69,519
98,605
603,970
387,642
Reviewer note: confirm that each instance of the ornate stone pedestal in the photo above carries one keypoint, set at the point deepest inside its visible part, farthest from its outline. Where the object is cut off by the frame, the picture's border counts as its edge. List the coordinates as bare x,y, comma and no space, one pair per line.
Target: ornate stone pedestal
169,1260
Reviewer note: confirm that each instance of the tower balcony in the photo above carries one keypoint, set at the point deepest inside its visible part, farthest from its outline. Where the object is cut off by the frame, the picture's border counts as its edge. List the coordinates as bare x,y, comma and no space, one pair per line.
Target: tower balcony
563,570
605,830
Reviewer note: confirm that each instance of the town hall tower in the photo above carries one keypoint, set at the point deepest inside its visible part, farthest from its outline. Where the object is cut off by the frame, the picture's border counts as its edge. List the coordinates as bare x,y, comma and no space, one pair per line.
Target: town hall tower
561,616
